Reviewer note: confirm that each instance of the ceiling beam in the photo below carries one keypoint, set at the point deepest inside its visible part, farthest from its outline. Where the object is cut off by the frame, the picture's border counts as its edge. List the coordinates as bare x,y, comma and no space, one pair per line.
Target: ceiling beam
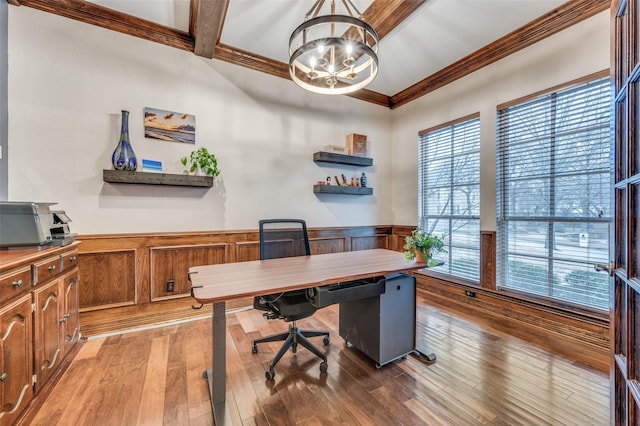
385,15
250,60
104,17
205,24
564,16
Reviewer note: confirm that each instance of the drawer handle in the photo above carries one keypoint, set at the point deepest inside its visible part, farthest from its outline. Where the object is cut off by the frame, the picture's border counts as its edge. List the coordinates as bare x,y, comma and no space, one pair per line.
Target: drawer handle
3,377
52,268
63,319
73,258
17,284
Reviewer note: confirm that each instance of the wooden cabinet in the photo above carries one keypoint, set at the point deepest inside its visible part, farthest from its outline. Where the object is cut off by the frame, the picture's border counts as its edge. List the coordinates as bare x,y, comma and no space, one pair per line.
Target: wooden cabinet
38,322
16,389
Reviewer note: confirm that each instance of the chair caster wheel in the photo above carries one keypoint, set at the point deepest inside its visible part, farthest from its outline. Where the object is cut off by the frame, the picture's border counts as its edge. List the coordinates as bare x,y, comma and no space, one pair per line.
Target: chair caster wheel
270,374
326,340
254,349
378,366
323,367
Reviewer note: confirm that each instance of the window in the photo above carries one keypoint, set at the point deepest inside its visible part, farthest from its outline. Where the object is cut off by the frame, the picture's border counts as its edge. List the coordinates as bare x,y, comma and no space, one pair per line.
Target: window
449,193
554,194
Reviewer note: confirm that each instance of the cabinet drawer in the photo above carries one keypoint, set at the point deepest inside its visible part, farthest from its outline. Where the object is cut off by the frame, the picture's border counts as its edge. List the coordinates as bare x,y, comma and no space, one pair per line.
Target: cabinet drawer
69,260
15,283
46,269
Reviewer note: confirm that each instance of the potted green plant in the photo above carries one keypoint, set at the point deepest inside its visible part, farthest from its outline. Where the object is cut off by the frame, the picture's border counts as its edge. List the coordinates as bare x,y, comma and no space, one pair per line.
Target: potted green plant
202,159
421,245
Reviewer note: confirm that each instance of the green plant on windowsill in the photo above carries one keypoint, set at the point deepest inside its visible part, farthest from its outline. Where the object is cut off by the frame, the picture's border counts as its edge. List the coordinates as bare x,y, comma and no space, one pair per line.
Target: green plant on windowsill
201,159
421,245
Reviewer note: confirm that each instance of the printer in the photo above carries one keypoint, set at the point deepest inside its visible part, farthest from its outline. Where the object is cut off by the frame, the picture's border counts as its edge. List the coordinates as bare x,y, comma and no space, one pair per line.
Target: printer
24,224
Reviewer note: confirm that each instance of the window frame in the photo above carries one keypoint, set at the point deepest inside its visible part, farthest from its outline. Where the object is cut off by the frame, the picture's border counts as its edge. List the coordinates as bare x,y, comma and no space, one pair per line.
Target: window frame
423,214
503,219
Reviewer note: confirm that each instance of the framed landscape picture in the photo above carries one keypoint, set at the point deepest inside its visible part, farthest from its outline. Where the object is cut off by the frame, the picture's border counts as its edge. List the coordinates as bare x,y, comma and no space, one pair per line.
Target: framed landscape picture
169,126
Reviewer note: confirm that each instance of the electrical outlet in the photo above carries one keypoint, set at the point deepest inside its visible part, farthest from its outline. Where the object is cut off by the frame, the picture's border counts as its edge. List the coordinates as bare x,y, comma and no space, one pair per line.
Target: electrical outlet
470,293
170,285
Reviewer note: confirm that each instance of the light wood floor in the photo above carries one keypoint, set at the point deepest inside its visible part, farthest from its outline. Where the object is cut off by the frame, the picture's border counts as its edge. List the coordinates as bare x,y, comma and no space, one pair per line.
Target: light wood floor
481,376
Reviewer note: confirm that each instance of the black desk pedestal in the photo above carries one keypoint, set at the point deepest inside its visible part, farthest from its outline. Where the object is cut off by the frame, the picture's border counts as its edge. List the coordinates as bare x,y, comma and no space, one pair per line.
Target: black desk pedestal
383,327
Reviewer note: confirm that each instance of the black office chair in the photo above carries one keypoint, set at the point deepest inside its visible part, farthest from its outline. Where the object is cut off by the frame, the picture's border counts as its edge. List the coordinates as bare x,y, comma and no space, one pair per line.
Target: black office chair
287,238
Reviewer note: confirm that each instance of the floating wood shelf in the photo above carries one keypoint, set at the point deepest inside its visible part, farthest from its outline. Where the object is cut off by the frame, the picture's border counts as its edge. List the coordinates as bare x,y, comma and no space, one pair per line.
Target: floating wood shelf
352,160
146,178
335,189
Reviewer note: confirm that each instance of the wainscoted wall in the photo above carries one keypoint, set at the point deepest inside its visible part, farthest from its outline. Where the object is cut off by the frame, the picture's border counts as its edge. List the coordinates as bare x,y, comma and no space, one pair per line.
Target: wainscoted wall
136,269
123,278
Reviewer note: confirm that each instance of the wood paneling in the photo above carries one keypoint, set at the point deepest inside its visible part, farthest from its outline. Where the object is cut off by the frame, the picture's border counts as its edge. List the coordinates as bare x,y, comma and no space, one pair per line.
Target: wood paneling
173,263
328,245
488,259
246,251
107,279
368,242
124,269
398,235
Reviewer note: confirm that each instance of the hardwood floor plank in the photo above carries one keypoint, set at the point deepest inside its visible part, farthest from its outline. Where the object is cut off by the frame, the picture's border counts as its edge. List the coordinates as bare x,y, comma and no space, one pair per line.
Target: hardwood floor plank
90,349
152,403
482,376
428,417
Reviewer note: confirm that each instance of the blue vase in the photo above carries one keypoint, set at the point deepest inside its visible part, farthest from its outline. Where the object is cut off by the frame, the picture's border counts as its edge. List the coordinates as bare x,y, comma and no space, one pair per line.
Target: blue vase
123,157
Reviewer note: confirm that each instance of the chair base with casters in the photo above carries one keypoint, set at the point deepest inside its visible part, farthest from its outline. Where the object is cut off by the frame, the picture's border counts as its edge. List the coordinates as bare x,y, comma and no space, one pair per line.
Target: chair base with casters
292,338
287,238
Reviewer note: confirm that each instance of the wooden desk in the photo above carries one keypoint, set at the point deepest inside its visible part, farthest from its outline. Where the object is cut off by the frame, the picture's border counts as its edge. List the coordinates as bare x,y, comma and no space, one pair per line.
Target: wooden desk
219,283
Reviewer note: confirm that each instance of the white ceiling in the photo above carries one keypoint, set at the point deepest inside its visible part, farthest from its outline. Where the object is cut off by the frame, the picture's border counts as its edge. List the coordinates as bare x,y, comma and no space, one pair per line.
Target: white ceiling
438,34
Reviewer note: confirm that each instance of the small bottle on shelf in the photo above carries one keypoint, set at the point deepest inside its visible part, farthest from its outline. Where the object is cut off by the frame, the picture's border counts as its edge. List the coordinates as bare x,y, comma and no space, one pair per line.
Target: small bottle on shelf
363,181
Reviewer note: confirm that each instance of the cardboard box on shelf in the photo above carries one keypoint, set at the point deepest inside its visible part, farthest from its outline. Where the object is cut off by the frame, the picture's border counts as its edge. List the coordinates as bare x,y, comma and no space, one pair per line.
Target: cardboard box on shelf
357,144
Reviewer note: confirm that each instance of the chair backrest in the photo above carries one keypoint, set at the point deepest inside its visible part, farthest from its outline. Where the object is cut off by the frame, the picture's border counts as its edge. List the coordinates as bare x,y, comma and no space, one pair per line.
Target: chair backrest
283,238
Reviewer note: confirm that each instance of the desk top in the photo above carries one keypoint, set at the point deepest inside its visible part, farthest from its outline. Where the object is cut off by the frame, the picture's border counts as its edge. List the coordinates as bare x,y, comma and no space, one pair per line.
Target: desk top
247,279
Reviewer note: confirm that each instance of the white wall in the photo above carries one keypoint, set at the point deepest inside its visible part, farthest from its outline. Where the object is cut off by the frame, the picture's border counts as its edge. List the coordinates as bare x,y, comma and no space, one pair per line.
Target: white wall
68,82
573,53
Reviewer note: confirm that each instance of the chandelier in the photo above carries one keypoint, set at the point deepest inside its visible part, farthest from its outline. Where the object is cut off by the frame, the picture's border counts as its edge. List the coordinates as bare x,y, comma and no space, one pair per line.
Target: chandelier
333,54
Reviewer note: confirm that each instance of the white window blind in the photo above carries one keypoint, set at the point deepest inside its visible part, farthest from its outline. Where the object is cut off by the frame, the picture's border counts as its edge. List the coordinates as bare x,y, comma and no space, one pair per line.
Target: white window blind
449,194
554,195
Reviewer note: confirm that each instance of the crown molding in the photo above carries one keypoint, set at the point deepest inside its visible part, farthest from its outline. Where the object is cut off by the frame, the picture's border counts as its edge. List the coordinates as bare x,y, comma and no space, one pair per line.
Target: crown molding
551,23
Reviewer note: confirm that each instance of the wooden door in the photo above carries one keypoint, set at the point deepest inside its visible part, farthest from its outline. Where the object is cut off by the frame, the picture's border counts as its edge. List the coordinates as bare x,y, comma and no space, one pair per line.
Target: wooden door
48,316
16,389
625,294
70,319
